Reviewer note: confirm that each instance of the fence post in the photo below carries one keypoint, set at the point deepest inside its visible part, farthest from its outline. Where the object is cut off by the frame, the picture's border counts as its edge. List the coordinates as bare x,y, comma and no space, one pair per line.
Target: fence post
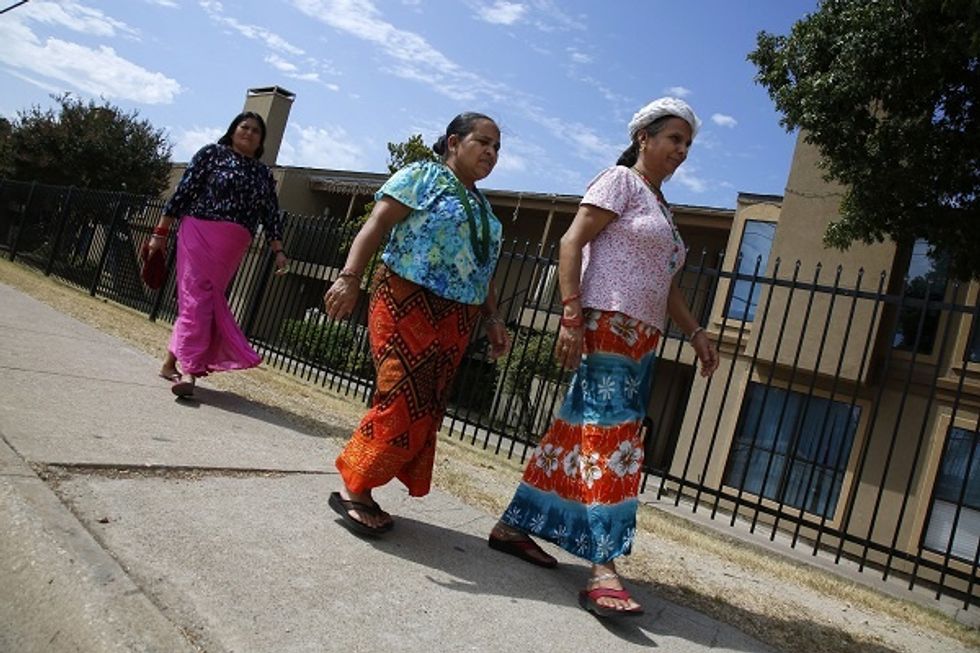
264,274
61,230
171,272
108,245
23,219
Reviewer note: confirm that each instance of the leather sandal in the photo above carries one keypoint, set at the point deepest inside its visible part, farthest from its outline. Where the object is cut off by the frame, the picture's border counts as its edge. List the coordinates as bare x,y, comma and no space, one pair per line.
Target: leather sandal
524,548
589,599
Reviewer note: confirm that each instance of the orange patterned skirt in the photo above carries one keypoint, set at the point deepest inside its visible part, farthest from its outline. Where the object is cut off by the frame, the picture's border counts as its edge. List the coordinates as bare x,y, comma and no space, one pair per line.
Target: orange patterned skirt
580,486
417,341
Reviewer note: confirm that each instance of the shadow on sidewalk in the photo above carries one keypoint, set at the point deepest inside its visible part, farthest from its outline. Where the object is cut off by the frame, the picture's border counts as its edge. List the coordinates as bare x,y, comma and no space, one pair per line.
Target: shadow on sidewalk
478,570
253,409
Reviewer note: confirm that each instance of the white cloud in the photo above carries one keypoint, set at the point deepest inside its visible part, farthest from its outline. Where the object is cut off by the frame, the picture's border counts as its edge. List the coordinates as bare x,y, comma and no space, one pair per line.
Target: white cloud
588,144
320,147
677,91
50,88
272,40
169,4
191,140
412,56
75,17
96,71
553,18
686,176
502,12
280,64
722,120
579,57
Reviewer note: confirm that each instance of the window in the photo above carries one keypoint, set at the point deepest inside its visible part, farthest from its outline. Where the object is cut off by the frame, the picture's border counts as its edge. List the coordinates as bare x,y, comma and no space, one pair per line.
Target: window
926,279
792,448
957,498
755,247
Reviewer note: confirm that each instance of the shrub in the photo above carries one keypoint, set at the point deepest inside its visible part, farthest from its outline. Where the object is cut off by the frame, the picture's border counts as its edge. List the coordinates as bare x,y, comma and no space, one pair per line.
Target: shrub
337,346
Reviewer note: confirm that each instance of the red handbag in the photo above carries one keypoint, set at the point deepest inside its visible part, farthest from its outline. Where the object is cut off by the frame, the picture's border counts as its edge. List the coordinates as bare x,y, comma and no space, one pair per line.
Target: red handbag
153,271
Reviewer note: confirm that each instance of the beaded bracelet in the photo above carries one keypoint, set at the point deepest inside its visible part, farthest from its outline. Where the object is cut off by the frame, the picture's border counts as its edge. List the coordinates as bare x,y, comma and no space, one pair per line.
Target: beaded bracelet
490,320
569,300
162,232
347,272
573,322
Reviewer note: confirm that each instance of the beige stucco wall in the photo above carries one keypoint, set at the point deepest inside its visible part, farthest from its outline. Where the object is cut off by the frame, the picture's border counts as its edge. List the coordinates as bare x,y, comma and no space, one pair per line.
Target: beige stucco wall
809,206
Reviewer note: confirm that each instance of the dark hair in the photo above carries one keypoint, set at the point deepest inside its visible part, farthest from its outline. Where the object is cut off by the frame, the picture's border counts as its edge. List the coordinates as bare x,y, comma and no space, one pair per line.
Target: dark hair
631,154
245,115
461,125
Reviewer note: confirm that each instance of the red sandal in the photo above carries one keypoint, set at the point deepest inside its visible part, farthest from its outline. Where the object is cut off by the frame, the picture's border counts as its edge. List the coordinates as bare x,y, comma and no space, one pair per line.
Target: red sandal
589,600
525,549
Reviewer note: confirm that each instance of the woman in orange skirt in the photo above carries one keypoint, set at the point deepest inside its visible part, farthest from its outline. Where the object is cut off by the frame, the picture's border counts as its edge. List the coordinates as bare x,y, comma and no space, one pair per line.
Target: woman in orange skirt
428,295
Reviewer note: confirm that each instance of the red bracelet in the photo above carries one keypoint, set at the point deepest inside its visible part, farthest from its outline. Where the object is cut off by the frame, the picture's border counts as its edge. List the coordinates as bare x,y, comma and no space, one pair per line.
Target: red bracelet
163,232
569,300
573,322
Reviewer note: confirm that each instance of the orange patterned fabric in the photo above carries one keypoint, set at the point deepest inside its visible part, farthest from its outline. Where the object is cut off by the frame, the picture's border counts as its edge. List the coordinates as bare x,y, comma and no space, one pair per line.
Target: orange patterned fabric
580,486
417,341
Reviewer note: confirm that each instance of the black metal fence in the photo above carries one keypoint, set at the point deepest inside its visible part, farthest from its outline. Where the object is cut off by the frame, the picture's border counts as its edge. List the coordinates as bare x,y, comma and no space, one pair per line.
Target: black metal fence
843,418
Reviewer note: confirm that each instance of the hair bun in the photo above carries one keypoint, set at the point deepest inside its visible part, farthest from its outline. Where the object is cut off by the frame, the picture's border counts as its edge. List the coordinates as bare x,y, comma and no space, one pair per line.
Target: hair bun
439,147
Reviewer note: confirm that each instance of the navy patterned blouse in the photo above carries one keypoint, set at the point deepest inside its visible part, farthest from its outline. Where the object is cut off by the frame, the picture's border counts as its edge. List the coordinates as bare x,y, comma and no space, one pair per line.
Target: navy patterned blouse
221,184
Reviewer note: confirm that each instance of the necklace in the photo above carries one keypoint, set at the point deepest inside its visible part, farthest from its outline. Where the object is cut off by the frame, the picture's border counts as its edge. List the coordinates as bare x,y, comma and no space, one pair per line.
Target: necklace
667,214
481,242
655,189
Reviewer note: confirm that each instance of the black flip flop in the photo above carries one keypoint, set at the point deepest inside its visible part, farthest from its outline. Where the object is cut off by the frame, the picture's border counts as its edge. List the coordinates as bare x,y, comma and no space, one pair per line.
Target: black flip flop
343,507
182,388
522,549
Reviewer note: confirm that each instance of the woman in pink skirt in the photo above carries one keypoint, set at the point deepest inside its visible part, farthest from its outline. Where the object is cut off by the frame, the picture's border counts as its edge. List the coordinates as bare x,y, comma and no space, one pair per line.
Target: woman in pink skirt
616,270
224,194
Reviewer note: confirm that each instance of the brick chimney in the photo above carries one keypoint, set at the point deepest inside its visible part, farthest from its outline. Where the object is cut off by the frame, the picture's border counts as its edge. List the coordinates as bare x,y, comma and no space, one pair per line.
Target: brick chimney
273,104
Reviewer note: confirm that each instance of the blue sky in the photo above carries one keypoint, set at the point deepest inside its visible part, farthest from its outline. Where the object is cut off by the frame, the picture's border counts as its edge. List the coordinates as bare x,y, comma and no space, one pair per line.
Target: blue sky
562,78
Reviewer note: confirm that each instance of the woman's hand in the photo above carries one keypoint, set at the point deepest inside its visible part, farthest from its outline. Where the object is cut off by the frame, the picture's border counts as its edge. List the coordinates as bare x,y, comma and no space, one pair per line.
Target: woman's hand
157,244
499,339
707,354
568,349
282,263
340,299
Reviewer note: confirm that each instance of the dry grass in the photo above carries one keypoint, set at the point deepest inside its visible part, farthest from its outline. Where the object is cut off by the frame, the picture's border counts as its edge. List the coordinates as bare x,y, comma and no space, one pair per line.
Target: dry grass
786,604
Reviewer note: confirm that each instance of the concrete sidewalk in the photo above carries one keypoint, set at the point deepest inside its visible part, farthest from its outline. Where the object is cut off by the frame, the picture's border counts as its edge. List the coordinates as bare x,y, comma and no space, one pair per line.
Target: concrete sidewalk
164,525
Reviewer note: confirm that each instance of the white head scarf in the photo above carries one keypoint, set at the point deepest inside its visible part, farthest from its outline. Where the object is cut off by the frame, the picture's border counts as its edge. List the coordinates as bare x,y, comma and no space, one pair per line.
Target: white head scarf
665,106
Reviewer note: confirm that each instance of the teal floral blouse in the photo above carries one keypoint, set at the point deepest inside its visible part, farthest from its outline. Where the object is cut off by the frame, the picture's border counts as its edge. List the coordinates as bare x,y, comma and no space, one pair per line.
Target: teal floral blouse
432,246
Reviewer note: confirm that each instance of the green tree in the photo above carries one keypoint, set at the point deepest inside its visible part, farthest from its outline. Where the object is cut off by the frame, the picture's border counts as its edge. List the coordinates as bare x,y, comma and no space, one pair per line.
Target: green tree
412,150
887,91
6,148
399,156
90,145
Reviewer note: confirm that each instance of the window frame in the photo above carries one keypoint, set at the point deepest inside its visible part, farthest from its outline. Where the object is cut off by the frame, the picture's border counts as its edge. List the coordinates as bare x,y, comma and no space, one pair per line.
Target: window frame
734,282
846,469
945,425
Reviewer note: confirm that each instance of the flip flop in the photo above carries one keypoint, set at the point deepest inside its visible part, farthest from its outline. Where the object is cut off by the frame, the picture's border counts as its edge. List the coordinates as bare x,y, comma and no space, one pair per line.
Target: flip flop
523,549
182,388
343,507
589,600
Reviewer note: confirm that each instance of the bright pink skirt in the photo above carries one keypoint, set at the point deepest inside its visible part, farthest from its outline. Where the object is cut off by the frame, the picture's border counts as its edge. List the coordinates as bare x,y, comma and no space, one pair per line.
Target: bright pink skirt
206,337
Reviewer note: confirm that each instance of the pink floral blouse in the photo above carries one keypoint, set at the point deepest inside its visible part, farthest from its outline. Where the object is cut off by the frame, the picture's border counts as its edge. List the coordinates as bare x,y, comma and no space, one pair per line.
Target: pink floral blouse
628,267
